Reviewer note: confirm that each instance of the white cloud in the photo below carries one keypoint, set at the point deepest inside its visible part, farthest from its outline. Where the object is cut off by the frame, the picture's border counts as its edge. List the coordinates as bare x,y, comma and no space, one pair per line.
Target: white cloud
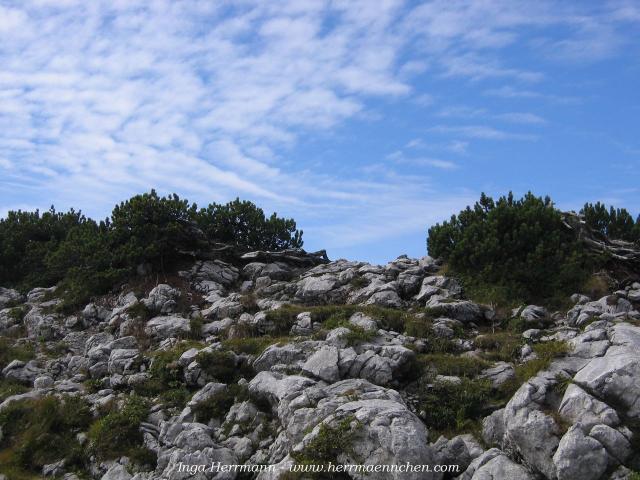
481,132
102,99
521,117
400,158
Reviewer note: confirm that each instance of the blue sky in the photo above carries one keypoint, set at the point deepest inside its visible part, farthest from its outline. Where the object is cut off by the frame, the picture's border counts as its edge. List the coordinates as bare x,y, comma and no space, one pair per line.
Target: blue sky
365,121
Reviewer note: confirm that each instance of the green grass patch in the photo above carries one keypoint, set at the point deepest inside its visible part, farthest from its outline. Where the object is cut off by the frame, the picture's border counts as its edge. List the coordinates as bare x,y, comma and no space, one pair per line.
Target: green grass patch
546,353
329,443
448,406
167,380
359,282
140,311
18,313
55,350
387,318
500,346
222,366
42,431
218,405
118,432
10,387
446,364
195,327
252,345
10,350
422,327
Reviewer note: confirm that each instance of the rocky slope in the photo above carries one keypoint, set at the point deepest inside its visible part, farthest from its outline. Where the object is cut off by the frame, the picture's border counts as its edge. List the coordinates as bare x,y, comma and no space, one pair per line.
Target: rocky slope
283,358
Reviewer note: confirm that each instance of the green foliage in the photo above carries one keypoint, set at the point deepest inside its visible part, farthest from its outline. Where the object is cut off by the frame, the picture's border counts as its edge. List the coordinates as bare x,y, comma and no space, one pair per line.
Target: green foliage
10,387
86,261
448,405
520,247
26,239
93,385
88,258
152,229
42,431
218,405
422,327
195,327
388,318
359,282
18,313
167,380
330,442
140,311
223,366
447,364
545,352
118,432
356,334
252,345
243,224
500,346
10,350
615,223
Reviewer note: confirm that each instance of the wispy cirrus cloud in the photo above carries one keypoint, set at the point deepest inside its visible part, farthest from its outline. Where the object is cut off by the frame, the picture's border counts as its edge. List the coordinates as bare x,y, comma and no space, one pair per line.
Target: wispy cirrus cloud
401,158
482,132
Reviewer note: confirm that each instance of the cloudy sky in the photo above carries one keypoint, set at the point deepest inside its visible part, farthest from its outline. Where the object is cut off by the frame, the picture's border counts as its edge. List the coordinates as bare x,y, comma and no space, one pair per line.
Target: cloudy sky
366,121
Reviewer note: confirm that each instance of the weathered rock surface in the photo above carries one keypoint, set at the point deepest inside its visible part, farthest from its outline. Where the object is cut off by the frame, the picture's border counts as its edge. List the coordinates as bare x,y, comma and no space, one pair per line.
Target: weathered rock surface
292,374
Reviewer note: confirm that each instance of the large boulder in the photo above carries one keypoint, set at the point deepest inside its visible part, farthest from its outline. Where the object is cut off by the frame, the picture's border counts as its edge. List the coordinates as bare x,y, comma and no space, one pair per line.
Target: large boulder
223,307
317,290
495,465
323,364
385,431
462,310
43,326
9,297
438,285
124,361
614,376
164,327
22,372
579,456
162,299
534,314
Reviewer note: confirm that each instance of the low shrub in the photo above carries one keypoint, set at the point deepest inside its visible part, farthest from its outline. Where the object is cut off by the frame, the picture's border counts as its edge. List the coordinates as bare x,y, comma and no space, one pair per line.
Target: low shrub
447,405
250,302
252,345
219,404
195,327
500,346
359,282
546,353
222,366
421,327
18,313
42,431
330,442
140,311
10,350
446,364
11,387
167,380
118,432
